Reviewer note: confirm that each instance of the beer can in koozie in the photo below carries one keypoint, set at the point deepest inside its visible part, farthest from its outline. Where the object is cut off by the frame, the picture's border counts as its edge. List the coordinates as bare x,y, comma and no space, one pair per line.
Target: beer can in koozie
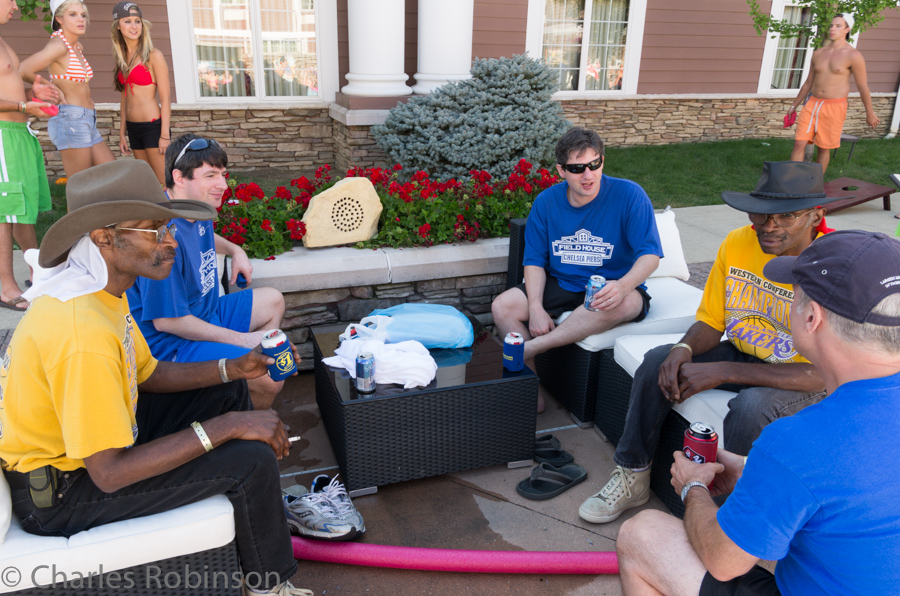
701,443
365,372
514,352
275,344
595,284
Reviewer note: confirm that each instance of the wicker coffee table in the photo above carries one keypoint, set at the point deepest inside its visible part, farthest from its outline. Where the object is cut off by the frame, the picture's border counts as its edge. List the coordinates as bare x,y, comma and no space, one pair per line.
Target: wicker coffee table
474,414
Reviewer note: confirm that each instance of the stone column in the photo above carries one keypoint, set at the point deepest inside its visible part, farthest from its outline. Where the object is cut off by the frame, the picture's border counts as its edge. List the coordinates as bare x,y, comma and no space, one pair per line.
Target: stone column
376,31
445,43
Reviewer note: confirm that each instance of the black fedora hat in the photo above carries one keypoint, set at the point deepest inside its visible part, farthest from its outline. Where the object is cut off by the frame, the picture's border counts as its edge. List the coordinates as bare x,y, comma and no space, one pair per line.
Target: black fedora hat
122,190
784,186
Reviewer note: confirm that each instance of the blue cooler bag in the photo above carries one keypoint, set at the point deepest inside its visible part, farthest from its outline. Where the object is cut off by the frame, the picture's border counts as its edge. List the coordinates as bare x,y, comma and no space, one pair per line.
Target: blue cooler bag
434,325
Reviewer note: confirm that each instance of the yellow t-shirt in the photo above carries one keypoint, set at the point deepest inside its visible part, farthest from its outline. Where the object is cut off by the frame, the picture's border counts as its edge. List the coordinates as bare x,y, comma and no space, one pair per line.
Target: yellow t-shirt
69,382
754,313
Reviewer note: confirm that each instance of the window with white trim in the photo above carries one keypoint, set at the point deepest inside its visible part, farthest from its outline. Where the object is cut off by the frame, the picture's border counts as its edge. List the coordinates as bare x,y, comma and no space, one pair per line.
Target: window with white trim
255,48
790,56
592,45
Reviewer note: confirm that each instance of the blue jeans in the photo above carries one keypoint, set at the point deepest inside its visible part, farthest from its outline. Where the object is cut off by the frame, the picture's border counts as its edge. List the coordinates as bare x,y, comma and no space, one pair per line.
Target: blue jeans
748,412
244,471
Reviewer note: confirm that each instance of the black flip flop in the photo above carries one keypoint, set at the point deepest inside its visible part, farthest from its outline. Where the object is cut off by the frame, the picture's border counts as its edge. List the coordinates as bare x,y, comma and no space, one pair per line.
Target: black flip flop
547,451
547,481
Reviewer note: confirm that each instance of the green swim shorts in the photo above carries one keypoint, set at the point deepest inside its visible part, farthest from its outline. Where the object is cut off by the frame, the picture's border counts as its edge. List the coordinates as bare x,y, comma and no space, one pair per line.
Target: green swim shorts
24,190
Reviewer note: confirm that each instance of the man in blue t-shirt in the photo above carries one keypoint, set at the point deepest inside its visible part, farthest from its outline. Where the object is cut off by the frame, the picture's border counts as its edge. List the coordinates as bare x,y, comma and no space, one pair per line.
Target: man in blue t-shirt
589,224
818,492
182,317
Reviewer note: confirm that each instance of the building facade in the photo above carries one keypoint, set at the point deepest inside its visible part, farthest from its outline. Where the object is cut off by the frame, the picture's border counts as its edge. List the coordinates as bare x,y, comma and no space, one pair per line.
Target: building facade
298,83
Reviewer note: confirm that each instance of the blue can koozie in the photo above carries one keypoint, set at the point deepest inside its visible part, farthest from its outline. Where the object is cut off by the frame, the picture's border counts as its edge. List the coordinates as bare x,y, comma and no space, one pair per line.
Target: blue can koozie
514,352
241,281
275,344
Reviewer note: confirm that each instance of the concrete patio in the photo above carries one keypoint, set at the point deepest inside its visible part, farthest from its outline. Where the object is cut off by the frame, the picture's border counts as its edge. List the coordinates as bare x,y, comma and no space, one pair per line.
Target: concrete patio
480,509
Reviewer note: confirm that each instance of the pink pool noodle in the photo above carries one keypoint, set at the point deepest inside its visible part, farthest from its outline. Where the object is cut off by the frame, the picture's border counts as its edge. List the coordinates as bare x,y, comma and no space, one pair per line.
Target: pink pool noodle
437,559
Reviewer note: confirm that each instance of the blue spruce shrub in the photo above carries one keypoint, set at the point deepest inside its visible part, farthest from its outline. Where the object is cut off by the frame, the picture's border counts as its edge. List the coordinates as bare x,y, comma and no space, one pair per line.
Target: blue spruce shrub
489,122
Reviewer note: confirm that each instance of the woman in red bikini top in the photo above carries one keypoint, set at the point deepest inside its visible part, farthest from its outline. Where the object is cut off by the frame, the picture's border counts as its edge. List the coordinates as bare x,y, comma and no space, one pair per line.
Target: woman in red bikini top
81,145
141,74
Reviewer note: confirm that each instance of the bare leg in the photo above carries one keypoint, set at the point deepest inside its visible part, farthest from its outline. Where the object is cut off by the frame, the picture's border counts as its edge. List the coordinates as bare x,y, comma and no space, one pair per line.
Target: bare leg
10,289
268,310
75,160
101,153
656,557
823,157
26,239
798,151
157,161
510,312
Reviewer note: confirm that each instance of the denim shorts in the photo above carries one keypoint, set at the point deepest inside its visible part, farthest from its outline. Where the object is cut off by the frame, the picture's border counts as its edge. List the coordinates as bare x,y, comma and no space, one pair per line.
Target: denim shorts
74,128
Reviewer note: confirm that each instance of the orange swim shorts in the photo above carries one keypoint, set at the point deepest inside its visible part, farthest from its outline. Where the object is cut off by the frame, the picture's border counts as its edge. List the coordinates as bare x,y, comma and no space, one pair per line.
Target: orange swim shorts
821,122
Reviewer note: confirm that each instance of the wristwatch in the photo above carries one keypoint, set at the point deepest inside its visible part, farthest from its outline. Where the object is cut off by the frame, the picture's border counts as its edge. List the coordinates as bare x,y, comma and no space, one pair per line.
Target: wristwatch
689,486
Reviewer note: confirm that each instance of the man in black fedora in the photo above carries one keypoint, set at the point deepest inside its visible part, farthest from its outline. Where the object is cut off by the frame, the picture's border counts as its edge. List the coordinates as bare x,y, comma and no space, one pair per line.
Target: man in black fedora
758,359
94,428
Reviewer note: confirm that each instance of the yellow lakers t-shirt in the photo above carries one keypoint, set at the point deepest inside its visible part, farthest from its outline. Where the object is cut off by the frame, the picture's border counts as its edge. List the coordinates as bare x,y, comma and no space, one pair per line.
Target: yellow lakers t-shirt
69,382
754,313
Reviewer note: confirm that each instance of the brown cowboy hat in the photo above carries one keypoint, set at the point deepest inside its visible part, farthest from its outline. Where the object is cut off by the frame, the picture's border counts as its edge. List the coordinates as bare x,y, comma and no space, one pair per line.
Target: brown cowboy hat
124,190
784,186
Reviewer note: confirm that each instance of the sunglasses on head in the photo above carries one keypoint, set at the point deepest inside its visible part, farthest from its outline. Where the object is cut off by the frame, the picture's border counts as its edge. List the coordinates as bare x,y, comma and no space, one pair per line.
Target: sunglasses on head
194,145
578,168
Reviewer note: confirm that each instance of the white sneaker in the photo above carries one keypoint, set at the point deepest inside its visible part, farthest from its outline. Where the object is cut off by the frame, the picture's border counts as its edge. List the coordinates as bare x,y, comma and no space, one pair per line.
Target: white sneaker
625,489
285,589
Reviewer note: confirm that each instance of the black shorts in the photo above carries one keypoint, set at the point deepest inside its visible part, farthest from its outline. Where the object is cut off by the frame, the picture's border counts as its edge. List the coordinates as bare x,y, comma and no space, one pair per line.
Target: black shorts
756,582
558,300
144,135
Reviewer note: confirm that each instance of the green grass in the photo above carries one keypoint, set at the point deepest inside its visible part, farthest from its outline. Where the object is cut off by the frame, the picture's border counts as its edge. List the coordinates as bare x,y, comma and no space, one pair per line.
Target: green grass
681,175
691,174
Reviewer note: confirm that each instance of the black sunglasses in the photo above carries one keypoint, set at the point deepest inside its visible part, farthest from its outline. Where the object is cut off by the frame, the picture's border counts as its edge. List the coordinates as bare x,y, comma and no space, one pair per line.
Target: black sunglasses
194,145
578,168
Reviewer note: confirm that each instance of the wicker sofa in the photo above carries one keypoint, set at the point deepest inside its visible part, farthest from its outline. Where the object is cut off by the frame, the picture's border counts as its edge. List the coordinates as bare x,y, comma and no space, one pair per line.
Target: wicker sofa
707,406
584,376
189,550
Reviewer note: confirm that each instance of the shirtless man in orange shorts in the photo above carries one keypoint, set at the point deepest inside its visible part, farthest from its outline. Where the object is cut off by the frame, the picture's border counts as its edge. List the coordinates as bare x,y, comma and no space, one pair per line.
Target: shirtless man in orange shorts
822,118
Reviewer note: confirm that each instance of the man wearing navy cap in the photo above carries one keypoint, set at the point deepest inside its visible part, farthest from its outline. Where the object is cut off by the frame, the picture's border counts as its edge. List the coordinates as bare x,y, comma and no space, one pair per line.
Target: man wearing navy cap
818,492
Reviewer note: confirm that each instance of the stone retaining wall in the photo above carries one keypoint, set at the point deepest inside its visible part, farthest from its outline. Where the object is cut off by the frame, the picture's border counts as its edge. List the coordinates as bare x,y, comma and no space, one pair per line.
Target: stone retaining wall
470,294
302,139
295,138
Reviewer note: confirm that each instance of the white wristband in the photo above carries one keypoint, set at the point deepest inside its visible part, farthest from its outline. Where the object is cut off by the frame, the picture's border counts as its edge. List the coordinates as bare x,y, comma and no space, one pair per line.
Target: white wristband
222,373
201,434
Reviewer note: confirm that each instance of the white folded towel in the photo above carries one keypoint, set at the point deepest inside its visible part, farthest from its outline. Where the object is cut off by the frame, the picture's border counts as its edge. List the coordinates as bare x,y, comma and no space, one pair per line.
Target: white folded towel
83,272
407,363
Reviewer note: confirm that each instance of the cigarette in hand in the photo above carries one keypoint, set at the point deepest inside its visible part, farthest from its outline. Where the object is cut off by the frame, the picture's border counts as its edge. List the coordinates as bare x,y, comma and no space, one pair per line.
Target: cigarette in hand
294,439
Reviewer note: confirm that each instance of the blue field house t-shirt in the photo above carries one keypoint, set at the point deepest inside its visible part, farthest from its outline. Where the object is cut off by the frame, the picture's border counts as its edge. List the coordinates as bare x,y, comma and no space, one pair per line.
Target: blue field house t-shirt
604,237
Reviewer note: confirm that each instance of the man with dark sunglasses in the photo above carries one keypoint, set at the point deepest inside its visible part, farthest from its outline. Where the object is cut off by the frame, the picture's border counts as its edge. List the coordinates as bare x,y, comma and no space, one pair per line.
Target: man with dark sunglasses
589,224
182,316
758,359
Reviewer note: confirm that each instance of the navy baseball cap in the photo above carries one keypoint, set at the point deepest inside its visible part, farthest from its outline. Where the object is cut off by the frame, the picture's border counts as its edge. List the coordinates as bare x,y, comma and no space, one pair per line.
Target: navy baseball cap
848,272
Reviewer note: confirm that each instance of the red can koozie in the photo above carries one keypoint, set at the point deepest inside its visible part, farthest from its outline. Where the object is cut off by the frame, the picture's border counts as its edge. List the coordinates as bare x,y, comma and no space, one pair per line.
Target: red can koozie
701,443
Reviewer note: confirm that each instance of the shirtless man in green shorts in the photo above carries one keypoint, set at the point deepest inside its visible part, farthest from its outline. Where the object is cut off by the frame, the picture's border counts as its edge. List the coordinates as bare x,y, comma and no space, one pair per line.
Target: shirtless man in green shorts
822,118
24,190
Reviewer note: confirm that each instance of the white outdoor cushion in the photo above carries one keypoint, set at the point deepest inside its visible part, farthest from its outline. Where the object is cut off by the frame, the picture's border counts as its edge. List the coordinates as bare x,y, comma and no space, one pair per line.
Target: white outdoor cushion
709,406
673,263
673,309
189,529
5,507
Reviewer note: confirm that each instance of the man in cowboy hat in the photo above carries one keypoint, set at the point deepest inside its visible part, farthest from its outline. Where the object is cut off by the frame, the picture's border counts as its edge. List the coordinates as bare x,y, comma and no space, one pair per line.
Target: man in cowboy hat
80,446
758,360
805,496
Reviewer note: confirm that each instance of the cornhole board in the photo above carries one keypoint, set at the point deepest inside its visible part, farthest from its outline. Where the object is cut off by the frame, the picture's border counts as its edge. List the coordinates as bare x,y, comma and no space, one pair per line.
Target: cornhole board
859,190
